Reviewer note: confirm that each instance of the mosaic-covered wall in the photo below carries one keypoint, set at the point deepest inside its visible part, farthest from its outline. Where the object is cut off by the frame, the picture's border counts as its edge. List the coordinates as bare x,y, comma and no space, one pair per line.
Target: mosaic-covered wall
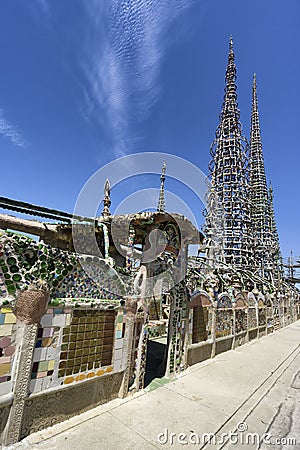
200,317
76,345
7,348
71,346
224,317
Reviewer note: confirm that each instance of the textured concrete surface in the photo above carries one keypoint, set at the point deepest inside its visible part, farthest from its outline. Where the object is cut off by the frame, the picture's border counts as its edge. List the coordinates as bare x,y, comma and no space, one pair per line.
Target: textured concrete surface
246,398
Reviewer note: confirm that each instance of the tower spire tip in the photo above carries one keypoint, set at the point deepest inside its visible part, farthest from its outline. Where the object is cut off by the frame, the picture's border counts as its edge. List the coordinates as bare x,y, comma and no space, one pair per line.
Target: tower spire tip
161,200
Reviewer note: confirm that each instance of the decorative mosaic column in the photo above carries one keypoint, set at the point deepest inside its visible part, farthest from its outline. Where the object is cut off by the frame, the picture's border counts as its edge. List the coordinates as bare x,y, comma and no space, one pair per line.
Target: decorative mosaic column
30,307
178,328
131,308
213,330
129,254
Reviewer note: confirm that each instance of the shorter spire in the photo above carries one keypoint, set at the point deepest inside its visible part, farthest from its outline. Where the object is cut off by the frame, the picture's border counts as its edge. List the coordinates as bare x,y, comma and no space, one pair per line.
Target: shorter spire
276,253
106,199
161,201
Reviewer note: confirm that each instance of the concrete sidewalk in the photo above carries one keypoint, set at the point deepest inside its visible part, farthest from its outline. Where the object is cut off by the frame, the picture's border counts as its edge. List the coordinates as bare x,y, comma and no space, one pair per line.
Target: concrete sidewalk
253,389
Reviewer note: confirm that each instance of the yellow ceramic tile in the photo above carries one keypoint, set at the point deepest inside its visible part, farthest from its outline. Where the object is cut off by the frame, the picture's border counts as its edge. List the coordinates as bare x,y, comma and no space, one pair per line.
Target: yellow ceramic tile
51,364
80,377
90,375
109,369
68,320
10,318
69,380
100,372
119,326
6,310
5,369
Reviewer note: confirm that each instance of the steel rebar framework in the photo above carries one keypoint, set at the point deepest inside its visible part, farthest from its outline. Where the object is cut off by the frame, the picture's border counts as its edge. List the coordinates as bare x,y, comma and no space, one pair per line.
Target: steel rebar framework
276,257
259,198
227,227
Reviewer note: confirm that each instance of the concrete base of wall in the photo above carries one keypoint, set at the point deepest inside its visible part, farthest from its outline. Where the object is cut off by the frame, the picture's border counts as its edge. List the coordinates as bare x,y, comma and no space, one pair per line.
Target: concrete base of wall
224,344
199,352
46,409
262,332
240,339
253,334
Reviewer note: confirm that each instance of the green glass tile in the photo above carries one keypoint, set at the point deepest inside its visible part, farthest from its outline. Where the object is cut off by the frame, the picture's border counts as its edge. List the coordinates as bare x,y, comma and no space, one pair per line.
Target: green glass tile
66,338
76,369
86,343
43,366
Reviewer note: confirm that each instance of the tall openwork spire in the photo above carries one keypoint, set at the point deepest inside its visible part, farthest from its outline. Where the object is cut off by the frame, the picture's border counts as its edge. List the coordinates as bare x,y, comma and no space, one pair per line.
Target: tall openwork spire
258,193
161,200
276,258
227,227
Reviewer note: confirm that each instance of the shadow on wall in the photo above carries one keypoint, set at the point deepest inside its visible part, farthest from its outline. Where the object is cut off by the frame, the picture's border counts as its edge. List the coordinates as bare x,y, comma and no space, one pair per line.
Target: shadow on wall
156,361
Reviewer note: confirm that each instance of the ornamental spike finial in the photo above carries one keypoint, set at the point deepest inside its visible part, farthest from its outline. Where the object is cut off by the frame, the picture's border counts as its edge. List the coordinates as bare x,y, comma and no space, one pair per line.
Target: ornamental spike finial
106,199
231,44
161,201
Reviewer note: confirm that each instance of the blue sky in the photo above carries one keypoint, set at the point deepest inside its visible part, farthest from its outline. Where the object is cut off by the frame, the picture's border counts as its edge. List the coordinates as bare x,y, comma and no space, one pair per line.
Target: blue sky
83,82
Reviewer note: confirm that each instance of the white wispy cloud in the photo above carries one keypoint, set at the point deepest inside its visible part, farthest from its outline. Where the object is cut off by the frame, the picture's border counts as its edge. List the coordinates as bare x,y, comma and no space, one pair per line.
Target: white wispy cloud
123,56
9,131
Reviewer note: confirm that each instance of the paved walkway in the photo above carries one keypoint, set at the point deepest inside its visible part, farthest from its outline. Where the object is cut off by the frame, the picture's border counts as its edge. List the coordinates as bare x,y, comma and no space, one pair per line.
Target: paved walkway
249,391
